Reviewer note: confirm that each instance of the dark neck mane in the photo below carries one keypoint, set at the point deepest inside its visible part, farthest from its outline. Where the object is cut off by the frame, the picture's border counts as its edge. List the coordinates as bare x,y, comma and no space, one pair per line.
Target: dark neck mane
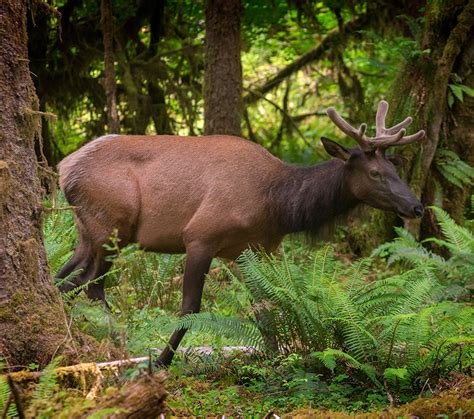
308,198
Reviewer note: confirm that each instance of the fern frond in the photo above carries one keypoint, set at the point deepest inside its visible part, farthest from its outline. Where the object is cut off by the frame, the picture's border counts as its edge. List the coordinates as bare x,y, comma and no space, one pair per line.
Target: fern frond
244,331
329,355
48,384
458,239
5,396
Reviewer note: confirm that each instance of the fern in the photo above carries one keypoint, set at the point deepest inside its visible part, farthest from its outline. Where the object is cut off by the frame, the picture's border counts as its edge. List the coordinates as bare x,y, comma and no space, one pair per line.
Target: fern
59,234
48,384
319,306
458,239
329,356
247,332
5,396
455,271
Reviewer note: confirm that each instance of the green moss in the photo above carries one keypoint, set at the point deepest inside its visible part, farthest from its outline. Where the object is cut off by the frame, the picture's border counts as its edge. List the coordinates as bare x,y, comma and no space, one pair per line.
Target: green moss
365,236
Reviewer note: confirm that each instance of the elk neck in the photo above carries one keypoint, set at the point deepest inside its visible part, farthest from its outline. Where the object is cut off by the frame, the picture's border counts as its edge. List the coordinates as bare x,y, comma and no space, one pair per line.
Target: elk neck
308,198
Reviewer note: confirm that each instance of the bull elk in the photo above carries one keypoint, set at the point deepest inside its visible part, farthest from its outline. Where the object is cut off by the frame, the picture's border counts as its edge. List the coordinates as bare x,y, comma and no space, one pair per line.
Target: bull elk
215,196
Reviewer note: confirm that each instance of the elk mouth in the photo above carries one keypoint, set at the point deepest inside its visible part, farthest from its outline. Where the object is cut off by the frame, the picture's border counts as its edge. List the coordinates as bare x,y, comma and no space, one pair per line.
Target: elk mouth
416,212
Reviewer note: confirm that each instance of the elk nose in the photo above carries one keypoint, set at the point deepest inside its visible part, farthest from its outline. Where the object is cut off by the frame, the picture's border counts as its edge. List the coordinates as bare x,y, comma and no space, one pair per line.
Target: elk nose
418,211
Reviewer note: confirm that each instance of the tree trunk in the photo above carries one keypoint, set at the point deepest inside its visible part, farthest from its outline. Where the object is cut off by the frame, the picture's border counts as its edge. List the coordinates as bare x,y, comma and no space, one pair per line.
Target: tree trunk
110,88
460,132
223,103
32,319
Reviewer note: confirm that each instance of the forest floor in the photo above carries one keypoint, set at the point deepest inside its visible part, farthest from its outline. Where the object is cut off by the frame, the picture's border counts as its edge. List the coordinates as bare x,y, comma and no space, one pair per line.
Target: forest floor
206,395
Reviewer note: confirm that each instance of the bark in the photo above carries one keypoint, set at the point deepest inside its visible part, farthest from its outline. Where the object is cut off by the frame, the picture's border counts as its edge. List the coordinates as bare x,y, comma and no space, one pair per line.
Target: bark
158,109
139,105
223,104
460,133
32,319
110,87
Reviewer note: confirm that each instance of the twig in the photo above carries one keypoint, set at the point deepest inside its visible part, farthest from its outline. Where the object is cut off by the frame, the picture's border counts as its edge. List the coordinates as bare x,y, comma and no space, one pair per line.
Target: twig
7,405
48,115
49,9
423,388
389,395
92,366
16,397
71,207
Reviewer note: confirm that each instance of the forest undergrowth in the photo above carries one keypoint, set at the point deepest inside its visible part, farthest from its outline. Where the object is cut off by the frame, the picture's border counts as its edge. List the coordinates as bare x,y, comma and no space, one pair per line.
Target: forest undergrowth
325,332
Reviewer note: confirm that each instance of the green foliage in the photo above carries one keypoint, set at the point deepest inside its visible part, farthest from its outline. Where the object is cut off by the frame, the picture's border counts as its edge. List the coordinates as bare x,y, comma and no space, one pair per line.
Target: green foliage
59,232
245,331
149,275
5,397
458,90
48,383
456,272
453,168
323,309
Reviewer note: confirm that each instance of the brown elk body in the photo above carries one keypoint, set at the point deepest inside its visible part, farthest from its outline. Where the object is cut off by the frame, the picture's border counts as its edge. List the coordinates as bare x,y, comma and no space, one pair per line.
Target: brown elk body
215,196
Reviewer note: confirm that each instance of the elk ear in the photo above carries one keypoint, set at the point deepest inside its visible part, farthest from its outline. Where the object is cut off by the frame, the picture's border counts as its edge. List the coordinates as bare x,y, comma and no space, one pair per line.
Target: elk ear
396,159
335,150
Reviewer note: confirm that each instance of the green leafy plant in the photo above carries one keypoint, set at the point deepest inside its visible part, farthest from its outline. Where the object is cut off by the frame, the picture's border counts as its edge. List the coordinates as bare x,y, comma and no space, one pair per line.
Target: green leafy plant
456,272
453,168
6,397
458,90
59,233
392,330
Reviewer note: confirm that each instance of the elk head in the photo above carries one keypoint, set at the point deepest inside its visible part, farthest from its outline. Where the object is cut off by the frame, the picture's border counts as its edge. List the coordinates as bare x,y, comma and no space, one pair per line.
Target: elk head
370,174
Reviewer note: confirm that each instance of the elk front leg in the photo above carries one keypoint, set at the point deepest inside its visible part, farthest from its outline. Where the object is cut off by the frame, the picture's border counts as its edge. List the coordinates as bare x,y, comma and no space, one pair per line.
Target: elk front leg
197,266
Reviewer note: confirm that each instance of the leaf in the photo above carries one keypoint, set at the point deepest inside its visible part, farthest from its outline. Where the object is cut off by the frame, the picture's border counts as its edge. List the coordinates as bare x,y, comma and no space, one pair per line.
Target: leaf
457,91
327,358
396,374
466,89
450,99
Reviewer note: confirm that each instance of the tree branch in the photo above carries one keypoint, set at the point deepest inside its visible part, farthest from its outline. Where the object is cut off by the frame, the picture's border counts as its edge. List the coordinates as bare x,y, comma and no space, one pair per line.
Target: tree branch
285,114
332,38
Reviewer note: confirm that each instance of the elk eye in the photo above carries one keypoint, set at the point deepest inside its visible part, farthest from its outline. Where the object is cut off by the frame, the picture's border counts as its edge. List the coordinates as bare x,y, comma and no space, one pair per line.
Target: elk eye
374,173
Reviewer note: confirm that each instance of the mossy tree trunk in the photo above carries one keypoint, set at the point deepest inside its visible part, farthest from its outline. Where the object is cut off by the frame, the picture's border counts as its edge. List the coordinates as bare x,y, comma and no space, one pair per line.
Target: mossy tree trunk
32,319
460,132
223,102
422,91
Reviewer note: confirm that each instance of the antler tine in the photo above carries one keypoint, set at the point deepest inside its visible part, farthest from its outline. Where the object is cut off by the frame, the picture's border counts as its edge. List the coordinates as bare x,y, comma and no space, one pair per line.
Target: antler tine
404,124
385,141
396,139
348,129
411,138
380,118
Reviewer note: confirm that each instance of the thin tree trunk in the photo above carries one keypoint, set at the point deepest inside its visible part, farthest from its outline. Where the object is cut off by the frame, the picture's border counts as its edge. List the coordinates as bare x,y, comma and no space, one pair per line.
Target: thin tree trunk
32,320
110,87
223,104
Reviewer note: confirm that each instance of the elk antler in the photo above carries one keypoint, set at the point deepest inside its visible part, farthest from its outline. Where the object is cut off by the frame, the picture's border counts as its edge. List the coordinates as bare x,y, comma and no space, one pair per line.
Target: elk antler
384,137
